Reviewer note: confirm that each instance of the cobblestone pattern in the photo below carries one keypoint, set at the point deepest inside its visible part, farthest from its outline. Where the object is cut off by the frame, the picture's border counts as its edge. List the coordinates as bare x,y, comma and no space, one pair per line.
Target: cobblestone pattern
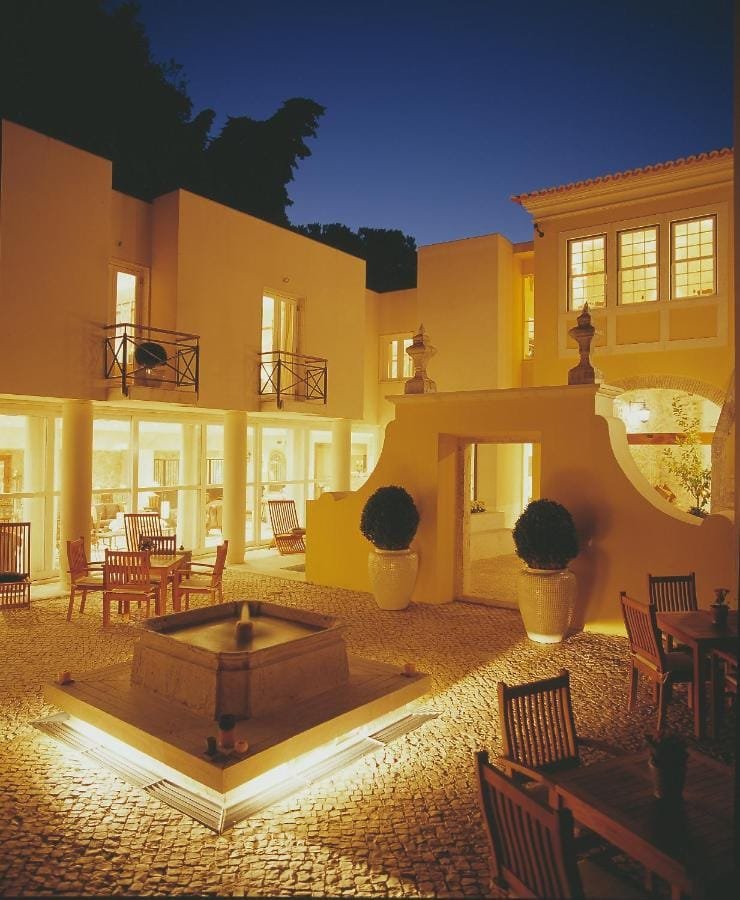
402,822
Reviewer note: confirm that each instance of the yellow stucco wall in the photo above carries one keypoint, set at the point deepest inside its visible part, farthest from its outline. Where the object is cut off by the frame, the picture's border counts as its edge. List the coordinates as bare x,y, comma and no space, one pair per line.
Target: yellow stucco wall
691,338
55,214
626,529
225,260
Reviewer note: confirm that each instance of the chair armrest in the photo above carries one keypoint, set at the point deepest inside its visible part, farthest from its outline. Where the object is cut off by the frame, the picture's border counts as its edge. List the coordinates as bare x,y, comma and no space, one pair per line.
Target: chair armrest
200,565
510,767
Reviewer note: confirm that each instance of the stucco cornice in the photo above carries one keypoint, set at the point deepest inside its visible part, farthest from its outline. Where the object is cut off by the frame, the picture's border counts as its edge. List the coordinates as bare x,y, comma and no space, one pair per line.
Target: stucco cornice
706,170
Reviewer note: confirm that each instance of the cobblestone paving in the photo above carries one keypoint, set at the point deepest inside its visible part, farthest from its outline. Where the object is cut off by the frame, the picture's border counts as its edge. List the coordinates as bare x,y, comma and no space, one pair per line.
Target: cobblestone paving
402,822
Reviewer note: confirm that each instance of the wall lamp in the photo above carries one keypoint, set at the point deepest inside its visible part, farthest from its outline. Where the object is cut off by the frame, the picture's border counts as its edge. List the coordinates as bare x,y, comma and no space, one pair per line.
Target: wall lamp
539,231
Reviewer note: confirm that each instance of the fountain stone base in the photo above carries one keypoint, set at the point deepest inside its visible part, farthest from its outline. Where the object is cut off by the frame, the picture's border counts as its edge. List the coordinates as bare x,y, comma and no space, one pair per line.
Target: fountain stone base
199,660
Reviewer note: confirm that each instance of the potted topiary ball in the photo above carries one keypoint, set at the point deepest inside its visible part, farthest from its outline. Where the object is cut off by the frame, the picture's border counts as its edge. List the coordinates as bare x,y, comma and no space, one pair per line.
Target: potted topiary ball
389,521
545,538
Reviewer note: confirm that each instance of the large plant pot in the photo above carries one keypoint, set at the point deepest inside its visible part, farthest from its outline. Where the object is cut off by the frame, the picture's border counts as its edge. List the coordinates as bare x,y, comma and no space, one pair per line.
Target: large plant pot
392,576
668,781
547,599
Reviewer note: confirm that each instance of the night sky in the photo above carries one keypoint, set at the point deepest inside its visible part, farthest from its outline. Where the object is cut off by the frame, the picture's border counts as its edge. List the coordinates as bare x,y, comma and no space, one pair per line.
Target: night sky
439,111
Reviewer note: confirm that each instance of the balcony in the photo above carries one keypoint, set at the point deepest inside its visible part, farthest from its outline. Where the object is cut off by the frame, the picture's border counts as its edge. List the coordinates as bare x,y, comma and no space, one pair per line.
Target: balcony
291,376
152,358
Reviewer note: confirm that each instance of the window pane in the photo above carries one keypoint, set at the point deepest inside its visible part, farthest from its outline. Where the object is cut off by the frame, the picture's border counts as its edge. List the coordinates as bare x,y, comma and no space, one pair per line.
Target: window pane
587,276
693,257
638,270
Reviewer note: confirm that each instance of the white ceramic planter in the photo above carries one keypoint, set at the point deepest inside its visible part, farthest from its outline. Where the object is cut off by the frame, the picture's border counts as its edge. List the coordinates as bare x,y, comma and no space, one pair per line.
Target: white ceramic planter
392,576
547,599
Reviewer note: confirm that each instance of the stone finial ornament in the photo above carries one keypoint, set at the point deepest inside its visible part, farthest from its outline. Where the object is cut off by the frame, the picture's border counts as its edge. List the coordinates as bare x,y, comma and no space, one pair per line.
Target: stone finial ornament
421,351
583,334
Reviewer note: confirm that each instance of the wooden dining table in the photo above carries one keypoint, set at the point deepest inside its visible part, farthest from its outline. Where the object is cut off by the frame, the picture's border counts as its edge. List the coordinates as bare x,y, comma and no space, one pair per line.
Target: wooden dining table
690,845
696,631
164,566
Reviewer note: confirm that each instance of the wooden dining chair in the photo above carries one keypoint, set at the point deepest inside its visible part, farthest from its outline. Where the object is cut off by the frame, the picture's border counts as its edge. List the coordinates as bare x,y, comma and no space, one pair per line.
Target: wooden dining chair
201,578
532,847
285,528
723,675
15,565
126,580
84,576
672,593
649,658
138,525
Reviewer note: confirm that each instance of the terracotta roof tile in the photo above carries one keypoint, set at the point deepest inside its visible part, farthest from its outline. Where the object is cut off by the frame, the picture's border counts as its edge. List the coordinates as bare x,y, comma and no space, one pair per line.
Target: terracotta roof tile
657,167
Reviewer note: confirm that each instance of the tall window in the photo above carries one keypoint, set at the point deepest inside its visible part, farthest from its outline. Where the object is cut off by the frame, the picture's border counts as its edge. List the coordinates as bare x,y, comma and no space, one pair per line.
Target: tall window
279,324
693,257
398,364
528,315
587,272
638,265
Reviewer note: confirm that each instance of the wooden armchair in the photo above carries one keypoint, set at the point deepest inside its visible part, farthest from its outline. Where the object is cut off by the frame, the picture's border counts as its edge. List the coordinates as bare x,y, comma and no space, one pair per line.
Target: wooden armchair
672,593
15,565
201,578
138,525
127,579
84,576
285,528
663,668
532,846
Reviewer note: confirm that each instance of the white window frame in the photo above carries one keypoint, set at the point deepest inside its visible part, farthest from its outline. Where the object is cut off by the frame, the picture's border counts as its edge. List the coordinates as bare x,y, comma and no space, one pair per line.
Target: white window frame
621,268
389,368
572,276
713,256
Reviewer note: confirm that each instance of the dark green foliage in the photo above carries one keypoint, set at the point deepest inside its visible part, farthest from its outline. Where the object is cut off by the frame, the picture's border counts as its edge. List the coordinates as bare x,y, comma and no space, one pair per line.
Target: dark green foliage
77,72
545,536
390,518
150,355
389,253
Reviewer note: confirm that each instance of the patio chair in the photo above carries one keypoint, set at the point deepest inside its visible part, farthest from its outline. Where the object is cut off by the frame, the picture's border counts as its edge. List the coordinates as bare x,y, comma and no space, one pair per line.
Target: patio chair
532,847
84,576
647,655
15,565
285,528
201,578
672,593
126,580
138,525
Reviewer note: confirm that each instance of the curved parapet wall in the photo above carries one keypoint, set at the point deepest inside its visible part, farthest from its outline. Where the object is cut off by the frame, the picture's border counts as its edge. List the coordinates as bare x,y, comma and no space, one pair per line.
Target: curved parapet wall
626,529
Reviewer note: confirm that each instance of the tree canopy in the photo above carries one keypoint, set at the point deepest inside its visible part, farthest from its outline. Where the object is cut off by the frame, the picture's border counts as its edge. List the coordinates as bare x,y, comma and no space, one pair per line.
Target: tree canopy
83,72
390,254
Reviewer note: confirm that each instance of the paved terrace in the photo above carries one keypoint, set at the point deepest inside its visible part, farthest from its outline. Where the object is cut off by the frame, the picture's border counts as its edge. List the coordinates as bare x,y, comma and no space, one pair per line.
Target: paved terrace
401,822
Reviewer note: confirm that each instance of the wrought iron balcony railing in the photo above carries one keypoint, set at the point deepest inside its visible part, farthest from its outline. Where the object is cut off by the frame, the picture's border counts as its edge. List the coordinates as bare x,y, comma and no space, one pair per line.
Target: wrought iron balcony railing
152,357
291,375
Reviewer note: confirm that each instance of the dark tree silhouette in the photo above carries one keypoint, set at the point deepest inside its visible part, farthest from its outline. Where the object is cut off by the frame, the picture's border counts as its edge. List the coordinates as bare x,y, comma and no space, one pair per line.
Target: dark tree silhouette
250,163
389,253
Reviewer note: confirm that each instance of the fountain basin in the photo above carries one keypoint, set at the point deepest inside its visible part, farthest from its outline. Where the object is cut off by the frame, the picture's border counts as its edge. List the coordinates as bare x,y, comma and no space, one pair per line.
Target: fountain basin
195,659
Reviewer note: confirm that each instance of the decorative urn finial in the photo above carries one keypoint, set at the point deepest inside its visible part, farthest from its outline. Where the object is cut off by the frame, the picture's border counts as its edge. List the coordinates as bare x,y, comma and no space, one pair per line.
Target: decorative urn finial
583,334
420,351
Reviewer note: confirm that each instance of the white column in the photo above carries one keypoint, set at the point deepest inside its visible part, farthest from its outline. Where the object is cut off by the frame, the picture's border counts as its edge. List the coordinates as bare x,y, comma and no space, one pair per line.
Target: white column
188,508
235,483
76,484
341,454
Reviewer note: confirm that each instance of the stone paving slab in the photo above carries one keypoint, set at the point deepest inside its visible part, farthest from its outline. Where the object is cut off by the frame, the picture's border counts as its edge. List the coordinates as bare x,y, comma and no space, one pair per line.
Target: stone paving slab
402,822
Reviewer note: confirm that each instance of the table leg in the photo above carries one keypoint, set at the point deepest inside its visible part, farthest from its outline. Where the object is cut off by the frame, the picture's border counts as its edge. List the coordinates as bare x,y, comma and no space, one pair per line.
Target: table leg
699,696
716,680
162,595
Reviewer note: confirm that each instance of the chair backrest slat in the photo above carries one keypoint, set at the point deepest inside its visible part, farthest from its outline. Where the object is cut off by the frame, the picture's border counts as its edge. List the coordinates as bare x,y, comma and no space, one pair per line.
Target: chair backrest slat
531,845
673,593
126,568
77,557
219,564
158,543
642,631
283,516
138,524
538,728
15,547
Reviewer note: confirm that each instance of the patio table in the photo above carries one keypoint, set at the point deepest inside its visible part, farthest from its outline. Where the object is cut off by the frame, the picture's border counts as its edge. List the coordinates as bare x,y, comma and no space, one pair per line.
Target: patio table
695,630
164,565
690,845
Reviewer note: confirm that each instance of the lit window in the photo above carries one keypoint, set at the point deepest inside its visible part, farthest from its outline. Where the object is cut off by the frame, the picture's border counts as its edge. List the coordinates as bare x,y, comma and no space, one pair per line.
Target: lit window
587,272
638,265
528,311
693,252
398,363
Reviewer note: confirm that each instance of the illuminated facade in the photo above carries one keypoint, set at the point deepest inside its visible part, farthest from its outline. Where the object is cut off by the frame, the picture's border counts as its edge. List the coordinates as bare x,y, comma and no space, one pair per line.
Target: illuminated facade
88,274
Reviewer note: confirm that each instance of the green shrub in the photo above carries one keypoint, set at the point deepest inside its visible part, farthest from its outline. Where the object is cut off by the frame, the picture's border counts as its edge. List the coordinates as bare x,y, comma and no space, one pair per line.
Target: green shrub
545,536
390,518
